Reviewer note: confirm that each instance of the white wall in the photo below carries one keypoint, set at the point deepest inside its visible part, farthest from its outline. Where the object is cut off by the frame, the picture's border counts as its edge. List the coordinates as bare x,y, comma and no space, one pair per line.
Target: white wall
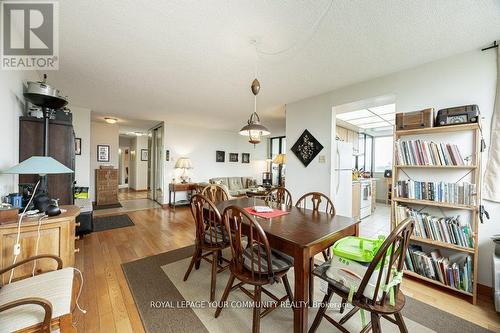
468,78
200,145
81,126
102,134
139,181
12,105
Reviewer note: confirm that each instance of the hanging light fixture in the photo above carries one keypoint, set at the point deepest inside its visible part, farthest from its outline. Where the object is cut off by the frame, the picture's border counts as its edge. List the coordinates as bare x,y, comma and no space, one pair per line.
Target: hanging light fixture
254,130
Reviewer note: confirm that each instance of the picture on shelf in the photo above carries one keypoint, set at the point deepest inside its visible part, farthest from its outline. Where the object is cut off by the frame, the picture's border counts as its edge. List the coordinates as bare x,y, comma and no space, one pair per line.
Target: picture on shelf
245,158
144,154
233,157
220,156
78,146
102,153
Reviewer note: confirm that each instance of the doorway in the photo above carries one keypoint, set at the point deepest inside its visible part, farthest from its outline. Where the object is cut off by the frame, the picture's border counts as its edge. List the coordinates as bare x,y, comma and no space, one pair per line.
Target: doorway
155,164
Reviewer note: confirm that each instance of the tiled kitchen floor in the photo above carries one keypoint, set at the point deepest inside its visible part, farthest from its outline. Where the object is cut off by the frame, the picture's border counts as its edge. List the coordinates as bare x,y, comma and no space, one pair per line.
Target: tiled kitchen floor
379,223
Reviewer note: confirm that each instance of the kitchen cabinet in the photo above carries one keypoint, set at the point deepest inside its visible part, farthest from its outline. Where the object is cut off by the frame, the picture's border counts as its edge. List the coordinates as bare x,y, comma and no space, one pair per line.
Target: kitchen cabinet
356,200
342,133
374,194
349,136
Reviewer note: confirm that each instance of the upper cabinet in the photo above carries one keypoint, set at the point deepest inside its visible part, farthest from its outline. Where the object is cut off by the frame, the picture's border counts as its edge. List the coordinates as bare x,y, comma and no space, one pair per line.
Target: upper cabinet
348,135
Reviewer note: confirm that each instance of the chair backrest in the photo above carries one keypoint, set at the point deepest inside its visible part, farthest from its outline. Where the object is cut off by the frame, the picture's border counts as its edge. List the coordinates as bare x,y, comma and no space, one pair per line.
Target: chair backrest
208,221
215,193
394,250
235,219
279,196
316,198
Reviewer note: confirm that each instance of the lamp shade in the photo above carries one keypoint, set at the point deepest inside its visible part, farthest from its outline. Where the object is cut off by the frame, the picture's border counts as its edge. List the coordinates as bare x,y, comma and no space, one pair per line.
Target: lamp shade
280,159
38,165
183,163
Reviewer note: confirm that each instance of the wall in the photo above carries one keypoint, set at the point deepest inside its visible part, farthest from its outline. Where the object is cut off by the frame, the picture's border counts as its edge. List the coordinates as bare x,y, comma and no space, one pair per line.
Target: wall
200,145
468,78
81,126
12,105
139,169
102,134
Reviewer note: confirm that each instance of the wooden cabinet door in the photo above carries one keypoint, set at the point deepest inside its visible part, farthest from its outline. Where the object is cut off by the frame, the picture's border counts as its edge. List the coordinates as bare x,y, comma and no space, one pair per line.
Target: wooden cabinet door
374,195
356,200
341,133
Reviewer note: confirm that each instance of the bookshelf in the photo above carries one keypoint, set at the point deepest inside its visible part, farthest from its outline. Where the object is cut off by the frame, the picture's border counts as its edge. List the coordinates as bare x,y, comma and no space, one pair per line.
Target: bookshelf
473,171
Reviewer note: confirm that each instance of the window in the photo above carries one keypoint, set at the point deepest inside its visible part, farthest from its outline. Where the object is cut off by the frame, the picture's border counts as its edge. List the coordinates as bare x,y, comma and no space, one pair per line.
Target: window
383,153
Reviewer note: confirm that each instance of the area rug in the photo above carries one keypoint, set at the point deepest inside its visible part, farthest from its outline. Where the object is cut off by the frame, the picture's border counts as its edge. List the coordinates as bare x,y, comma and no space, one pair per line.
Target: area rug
99,207
112,222
166,303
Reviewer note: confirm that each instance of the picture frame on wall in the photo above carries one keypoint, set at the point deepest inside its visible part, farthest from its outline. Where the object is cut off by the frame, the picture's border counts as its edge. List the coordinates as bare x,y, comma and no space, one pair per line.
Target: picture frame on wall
220,156
78,146
245,158
144,154
102,153
233,157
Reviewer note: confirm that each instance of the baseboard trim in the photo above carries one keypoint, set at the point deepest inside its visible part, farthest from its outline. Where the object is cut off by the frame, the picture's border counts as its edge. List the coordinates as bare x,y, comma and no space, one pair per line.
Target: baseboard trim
484,290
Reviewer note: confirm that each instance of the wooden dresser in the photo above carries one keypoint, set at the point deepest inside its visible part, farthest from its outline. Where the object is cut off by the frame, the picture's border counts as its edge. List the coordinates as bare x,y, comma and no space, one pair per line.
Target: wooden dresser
106,186
57,236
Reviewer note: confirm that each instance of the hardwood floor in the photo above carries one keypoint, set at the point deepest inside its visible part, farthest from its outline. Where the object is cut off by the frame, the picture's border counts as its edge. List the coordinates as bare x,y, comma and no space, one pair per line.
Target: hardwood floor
129,194
110,305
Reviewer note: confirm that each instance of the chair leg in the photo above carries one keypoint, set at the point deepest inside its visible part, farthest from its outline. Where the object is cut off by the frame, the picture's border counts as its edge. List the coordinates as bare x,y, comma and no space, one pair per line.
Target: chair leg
191,264
321,311
342,305
375,323
400,322
225,295
198,259
325,255
256,310
215,256
288,289
311,283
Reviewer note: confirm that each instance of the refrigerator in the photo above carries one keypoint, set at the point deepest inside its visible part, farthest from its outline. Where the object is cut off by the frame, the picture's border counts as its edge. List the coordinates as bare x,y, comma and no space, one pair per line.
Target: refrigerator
342,178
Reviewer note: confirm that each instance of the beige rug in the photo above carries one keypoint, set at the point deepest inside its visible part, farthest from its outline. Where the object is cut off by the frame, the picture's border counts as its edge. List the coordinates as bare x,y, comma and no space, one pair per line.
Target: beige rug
239,317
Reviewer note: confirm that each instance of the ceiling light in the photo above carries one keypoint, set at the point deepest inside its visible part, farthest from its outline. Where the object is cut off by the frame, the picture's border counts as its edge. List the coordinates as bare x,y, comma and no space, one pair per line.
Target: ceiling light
138,133
110,120
254,130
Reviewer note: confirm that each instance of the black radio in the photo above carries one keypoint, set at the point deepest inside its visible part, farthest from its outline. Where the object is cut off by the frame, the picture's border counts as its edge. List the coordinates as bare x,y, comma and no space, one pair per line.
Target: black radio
458,115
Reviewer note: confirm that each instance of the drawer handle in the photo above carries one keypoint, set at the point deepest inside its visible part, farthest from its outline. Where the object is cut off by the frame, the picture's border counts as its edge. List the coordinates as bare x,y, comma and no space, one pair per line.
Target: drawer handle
77,224
77,250
77,237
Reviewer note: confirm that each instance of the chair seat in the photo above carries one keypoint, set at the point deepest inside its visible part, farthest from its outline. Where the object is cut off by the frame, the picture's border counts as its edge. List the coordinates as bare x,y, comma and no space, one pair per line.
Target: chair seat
217,236
54,286
279,260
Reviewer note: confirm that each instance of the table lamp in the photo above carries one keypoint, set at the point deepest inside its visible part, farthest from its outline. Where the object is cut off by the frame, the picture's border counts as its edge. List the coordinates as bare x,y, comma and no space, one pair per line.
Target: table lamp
184,163
280,159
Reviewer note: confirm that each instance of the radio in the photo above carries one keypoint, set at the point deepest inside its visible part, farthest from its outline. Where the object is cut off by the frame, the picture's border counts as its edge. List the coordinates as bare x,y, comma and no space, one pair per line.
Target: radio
458,115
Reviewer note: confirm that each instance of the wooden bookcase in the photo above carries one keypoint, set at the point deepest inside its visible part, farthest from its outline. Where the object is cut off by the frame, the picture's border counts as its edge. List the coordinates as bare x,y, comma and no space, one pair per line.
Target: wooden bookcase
473,171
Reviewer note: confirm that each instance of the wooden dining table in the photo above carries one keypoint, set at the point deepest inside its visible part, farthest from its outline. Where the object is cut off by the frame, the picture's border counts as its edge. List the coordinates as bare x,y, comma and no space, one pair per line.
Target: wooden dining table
302,233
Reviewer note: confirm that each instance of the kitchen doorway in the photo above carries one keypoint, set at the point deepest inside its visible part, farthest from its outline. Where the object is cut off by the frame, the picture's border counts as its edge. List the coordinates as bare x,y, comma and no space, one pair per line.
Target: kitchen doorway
155,164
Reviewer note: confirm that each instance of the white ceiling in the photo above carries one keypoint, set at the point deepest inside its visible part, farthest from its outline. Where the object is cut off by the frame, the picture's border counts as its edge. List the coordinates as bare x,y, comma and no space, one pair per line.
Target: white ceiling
191,61
126,126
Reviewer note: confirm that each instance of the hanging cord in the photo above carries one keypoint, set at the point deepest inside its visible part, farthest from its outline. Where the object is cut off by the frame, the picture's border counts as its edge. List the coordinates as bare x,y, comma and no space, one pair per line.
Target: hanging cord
79,294
303,41
43,217
17,246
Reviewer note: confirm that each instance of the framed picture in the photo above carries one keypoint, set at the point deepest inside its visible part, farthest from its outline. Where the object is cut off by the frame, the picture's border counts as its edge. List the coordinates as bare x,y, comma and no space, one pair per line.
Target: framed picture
144,154
102,153
220,156
78,146
233,157
306,148
245,158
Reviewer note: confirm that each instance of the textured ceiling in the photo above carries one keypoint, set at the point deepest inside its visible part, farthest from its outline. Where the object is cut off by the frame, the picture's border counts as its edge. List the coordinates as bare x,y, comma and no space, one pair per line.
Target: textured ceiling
192,62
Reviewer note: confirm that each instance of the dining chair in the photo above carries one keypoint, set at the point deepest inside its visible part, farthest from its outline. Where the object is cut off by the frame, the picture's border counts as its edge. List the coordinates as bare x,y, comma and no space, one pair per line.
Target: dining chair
279,196
387,298
211,237
215,193
253,263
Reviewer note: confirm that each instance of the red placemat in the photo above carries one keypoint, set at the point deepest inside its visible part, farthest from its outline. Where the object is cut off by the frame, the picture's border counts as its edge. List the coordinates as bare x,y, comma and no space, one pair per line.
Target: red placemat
274,213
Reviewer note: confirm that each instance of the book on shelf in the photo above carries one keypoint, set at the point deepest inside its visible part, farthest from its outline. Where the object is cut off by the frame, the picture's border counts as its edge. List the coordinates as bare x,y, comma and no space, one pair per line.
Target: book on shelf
454,271
419,152
444,229
454,193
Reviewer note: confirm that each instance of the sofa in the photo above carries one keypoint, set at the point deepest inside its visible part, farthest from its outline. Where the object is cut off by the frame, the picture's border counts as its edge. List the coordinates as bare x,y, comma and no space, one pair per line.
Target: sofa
236,186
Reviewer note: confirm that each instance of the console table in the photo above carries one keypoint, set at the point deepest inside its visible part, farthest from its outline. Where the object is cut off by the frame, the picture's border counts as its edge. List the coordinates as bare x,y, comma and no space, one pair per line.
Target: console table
57,237
179,187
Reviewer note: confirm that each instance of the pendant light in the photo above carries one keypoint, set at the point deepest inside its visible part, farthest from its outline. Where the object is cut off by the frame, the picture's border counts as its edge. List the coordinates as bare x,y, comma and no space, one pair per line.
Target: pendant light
254,130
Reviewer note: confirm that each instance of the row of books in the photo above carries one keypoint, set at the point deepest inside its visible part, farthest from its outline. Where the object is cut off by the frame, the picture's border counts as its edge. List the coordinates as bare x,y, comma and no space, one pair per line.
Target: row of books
418,152
444,229
454,272
454,193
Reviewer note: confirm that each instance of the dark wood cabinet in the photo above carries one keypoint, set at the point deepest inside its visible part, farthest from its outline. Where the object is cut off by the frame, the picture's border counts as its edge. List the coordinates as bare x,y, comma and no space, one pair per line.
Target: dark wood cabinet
61,148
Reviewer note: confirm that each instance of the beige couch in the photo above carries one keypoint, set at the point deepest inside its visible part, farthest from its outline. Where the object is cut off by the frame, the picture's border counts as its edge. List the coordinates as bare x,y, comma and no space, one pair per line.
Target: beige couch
236,186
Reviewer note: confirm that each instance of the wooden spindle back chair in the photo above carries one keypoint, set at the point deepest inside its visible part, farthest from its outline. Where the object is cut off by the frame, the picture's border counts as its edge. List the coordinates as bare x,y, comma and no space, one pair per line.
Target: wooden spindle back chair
279,196
210,237
389,260
316,198
215,193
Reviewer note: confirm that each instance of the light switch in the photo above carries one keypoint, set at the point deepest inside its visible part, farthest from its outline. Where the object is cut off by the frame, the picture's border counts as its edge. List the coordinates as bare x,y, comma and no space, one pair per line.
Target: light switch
322,159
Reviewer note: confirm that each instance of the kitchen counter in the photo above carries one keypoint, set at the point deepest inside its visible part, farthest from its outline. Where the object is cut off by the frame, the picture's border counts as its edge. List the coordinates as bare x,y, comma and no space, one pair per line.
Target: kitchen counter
364,180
